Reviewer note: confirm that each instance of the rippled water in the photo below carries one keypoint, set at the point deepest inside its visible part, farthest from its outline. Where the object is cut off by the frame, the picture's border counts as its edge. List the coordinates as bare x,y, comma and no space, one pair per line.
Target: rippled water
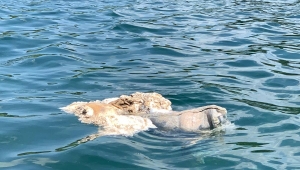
241,55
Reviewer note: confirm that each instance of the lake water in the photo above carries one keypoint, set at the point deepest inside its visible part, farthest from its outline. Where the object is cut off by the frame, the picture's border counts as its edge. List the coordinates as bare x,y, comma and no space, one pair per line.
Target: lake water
241,55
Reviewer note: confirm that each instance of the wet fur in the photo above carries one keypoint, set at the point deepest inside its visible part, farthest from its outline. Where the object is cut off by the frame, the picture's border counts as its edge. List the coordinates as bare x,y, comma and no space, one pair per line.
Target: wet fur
127,115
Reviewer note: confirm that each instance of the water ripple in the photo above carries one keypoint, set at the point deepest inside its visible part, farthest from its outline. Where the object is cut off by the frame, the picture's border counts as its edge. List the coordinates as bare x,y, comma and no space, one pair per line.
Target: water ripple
242,55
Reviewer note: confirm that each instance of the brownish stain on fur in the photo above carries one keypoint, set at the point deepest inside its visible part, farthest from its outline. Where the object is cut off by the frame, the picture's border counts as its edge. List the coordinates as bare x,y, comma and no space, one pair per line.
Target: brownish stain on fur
141,103
127,115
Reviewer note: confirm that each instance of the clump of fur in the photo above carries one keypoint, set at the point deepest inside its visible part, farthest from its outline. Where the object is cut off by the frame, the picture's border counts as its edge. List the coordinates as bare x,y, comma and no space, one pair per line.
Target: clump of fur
142,103
113,120
127,115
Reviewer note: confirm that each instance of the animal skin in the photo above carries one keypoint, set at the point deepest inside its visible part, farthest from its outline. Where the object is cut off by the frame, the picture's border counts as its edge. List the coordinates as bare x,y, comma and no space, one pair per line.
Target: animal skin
140,111
207,117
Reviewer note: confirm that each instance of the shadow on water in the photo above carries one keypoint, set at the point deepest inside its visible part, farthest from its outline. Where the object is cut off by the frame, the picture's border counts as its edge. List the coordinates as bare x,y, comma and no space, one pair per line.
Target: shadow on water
271,107
16,116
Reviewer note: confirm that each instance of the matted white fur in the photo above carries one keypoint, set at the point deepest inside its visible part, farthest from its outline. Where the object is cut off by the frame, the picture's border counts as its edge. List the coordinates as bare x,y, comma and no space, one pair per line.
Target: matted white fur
110,123
137,112
108,100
